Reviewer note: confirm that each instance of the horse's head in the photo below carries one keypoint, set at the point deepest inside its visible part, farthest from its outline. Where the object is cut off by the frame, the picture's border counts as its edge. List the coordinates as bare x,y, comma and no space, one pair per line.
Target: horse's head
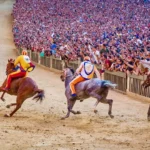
146,83
10,66
67,72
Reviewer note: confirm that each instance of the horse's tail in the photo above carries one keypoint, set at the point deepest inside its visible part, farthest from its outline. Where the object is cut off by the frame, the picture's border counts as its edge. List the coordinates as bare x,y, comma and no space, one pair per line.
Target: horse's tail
40,95
109,84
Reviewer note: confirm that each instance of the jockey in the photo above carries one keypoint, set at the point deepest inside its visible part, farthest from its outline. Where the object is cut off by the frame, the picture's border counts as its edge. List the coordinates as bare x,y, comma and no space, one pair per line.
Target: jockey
85,71
25,65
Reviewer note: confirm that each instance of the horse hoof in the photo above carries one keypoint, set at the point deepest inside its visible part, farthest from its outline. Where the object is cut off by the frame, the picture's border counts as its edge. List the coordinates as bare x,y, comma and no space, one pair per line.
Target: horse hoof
7,115
8,106
148,118
95,111
63,118
3,99
78,112
111,116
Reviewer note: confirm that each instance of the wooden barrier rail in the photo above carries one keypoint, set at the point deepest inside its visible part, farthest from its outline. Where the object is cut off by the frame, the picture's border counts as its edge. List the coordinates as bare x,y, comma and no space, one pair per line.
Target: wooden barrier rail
130,83
134,85
74,64
57,64
48,62
35,56
117,77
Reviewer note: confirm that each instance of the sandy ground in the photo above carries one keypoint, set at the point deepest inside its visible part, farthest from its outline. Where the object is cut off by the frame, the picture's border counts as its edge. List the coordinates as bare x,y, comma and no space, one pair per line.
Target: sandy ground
38,126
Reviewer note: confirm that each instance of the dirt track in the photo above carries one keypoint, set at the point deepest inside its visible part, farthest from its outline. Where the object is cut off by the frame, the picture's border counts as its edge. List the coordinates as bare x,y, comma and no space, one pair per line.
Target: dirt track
38,126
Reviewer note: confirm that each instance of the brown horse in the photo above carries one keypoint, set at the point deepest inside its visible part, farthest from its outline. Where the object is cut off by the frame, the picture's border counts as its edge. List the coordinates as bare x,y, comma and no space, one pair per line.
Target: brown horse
146,84
23,88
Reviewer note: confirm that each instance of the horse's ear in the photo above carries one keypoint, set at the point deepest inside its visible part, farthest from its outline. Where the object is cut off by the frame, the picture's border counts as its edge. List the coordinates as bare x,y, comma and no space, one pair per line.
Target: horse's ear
8,60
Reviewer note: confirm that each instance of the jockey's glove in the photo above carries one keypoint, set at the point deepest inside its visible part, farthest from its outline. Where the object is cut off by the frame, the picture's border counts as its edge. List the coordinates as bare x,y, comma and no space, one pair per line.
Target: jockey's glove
31,68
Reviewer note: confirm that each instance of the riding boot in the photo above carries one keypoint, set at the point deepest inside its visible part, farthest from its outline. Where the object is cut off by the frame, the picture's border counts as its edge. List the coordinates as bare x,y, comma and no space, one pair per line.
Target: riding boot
73,97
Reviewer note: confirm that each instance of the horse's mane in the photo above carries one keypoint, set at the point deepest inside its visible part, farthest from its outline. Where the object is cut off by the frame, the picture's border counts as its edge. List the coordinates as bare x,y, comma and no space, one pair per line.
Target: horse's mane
72,70
11,60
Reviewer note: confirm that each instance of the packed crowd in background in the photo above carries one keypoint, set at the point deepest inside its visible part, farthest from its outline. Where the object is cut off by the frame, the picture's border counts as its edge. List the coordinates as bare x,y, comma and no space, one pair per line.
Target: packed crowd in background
114,33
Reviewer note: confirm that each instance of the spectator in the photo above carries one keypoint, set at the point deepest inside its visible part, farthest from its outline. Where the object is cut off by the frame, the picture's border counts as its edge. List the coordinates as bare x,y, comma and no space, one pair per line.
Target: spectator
109,31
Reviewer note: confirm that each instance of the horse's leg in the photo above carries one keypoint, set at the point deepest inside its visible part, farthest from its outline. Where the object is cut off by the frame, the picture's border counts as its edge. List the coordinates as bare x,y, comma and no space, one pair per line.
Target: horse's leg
95,105
148,114
110,102
20,100
2,97
12,104
68,113
1,90
70,106
104,100
98,97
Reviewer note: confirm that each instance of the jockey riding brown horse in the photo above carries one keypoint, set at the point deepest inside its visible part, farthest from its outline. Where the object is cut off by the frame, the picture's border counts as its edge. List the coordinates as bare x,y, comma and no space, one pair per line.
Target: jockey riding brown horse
23,88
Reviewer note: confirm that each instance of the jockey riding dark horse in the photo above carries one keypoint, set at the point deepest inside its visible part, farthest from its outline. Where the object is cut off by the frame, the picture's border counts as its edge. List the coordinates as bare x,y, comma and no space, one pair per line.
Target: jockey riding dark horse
75,89
85,71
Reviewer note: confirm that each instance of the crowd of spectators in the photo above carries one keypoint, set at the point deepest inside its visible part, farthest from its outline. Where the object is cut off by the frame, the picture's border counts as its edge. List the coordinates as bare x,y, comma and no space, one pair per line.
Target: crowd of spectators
114,33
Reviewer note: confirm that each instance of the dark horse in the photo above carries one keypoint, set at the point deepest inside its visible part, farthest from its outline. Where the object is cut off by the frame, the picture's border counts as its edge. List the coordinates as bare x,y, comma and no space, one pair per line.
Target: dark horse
23,88
146,84
91,88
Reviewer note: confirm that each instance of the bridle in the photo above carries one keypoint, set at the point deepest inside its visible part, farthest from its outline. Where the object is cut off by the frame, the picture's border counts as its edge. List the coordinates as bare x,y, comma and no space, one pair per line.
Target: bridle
65,74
